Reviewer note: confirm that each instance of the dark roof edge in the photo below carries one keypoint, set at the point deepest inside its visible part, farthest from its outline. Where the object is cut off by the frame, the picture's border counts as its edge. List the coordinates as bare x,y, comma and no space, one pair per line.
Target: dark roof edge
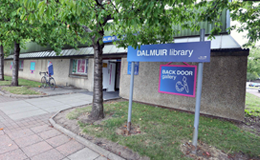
74,56
230,52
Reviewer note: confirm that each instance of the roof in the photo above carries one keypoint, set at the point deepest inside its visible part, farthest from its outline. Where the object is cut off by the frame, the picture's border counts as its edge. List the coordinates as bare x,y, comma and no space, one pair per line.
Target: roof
220,42
85,51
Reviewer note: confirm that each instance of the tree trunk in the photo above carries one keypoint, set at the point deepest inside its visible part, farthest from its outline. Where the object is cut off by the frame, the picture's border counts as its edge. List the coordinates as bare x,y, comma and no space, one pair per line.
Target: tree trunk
15,64
1,63
97,105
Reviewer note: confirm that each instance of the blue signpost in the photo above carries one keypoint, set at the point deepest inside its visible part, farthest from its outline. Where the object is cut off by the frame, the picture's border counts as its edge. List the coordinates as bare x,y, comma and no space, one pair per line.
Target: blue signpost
136,68
178,80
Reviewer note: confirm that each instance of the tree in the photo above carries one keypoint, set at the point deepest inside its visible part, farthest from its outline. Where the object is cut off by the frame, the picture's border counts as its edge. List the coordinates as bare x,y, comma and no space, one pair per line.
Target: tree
1,63
18,28
253,64
3,52
13,31
134,22
245,12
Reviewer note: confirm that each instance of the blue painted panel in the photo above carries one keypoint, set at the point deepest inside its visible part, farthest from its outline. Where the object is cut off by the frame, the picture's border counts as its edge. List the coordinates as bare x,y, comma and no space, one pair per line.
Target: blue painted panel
32,66
174,52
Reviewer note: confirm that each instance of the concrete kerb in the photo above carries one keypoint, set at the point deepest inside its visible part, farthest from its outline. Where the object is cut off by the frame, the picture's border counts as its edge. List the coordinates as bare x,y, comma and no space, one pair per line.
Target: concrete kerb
82,140
32,96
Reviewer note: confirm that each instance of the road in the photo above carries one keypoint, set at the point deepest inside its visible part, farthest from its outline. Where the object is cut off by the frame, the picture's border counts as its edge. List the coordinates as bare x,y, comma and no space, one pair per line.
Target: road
253,91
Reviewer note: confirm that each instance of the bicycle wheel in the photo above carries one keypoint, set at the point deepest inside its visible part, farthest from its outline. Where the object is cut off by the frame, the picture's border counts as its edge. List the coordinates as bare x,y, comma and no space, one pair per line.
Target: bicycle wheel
44,82
52,83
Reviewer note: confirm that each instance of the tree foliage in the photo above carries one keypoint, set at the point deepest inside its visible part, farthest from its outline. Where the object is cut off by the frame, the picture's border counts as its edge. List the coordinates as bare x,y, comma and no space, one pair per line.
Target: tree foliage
248,14
253,64
245,12
134,22
12,32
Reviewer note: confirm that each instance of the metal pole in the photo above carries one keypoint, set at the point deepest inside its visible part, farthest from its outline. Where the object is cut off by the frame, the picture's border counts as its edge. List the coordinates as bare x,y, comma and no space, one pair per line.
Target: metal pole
198,98
130,98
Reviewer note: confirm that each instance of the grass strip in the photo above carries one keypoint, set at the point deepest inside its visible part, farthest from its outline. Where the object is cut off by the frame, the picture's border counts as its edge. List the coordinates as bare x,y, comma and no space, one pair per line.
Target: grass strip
20,90
163,130
21,82
252,105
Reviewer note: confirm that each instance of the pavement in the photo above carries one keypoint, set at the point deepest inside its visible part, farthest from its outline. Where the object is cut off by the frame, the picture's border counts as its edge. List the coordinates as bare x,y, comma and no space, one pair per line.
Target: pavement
28,135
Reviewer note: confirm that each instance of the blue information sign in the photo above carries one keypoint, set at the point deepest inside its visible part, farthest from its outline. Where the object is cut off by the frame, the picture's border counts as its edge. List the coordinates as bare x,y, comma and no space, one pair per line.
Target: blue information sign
108,39
136,72
174,52
178,80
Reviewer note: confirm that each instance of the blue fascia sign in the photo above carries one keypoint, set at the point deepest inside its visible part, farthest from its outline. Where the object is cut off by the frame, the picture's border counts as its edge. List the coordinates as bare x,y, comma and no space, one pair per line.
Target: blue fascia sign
178,80
108,39
173,52
136,71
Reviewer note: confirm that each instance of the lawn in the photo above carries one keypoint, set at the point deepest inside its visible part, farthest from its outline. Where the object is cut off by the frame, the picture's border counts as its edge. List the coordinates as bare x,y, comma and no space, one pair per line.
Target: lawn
163,131
21,82
252,105
23,88
20,90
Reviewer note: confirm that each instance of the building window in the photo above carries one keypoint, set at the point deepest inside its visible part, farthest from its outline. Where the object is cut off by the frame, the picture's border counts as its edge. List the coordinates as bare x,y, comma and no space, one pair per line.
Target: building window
79,67
21,65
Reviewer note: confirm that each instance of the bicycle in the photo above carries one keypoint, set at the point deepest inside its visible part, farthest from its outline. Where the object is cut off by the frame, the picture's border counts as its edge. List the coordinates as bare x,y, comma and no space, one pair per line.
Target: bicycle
47,80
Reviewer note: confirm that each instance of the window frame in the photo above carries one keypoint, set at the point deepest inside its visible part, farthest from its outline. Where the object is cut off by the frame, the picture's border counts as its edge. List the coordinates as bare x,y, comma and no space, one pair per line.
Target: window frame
77,74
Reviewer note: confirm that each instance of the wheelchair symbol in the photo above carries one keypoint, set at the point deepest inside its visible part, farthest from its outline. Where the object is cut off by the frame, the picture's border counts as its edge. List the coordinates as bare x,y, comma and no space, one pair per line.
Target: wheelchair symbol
180,87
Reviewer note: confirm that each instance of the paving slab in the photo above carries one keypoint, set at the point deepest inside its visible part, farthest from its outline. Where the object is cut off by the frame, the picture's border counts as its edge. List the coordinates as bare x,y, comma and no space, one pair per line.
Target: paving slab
49,134
19,109
42,99
36,149
55,109
19,134
79,103
41,128
7,144
85,154
21,115
58,140
20,103
101,158
13,155
70,147
28,140
52,154
14,105
51,104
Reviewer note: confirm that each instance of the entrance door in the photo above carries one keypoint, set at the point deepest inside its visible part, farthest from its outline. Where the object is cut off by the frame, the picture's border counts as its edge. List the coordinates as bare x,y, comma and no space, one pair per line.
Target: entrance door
118,68
111,77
